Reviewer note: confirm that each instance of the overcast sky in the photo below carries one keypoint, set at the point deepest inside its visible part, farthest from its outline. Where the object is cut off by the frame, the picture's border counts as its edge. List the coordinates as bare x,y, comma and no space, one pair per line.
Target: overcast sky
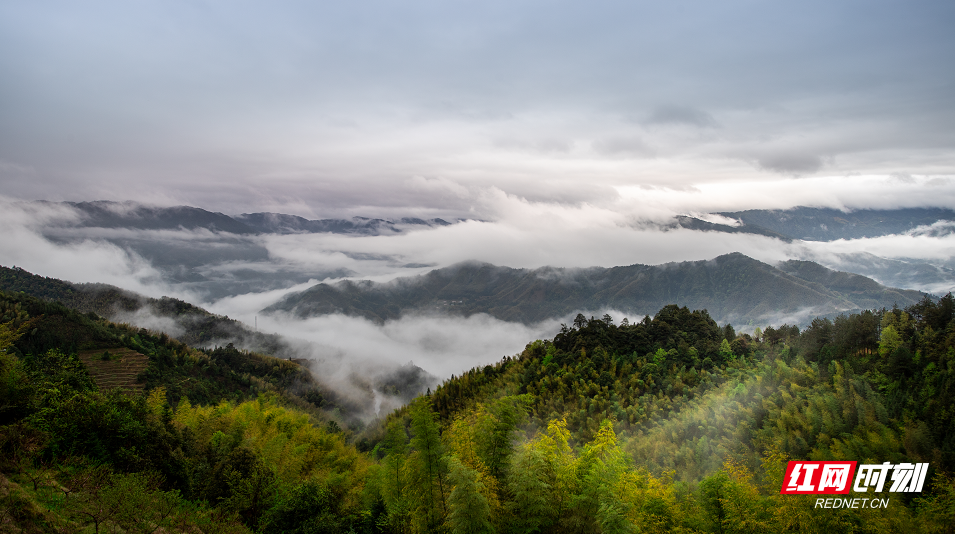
438,108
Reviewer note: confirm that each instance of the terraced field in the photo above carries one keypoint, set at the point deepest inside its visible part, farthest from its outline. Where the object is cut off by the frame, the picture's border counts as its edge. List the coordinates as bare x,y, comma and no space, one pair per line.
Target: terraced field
119,371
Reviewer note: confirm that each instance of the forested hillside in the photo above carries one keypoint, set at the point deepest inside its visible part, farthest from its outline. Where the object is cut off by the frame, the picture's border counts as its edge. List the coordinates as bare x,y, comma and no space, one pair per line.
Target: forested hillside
664,424
196,327
734,288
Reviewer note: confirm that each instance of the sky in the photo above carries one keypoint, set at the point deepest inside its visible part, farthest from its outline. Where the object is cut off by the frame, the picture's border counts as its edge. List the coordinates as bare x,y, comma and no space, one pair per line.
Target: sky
468,109
559,130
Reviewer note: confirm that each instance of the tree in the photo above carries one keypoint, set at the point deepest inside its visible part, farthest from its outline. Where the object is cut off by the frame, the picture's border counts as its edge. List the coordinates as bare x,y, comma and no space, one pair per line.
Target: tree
726,351
15,384
93,498
497,432
729,333
469,510
580,321
309,509
395,477
242,483
531,483
429,464
10,333
601,465
144,507
889,340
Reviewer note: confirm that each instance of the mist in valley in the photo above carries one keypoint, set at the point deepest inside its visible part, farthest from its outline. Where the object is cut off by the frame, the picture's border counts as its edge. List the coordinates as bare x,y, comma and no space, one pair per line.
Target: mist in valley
239,275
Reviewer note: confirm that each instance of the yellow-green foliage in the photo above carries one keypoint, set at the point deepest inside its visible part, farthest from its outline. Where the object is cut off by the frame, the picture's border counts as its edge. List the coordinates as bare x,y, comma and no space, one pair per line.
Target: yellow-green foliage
289,443
462,440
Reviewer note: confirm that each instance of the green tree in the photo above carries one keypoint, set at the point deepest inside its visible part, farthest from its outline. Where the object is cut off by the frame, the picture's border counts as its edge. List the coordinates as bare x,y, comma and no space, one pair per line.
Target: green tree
726,352
429,464
394,477
309,509
533,501
498,430
469,510
889,340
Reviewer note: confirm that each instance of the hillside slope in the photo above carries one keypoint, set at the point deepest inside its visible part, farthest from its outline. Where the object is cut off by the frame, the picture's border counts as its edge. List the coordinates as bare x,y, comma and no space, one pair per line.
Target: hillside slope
195,327
734,288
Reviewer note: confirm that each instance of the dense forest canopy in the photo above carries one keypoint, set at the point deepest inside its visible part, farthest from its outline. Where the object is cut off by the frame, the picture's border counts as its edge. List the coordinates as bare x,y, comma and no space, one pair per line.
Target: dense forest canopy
664,424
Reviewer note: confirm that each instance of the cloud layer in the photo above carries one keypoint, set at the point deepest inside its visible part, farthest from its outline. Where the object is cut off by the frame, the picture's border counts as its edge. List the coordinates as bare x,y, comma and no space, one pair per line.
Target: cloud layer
421,107
252,272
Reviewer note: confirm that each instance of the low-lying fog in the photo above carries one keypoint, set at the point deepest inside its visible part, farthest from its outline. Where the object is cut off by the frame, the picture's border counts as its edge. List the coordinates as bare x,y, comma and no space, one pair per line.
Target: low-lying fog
239,275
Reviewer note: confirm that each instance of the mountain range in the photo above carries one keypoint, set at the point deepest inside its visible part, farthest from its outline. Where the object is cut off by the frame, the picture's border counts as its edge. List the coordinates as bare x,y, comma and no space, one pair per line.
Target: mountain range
131,215
806,223
733,288
827,224
232,255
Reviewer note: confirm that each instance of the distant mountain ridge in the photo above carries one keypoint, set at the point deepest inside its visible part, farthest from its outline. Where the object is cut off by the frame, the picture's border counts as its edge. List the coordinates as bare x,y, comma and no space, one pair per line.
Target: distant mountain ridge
733,288
693,223
109,214
280,223
813,224
827,224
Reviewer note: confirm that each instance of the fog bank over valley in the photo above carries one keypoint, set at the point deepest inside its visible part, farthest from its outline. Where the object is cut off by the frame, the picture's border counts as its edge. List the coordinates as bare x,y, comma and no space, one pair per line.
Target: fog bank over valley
240,273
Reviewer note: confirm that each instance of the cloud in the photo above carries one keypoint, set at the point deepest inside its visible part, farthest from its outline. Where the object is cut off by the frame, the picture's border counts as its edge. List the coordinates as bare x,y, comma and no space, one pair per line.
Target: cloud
917,246
632,146
335,109
619,229
791,163
441,345
145,318
85,260
681,115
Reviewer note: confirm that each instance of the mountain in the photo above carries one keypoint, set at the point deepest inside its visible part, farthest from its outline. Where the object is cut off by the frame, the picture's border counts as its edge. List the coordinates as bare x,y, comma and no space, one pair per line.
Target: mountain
733,287
191,324
670,424
106,214
203,376
280,223
196,327
908,273
815,224
234,254
826,224
693,223
132,215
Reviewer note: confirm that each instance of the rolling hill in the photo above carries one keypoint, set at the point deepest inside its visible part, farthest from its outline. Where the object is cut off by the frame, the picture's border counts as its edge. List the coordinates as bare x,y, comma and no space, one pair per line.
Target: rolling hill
195,327
734,288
